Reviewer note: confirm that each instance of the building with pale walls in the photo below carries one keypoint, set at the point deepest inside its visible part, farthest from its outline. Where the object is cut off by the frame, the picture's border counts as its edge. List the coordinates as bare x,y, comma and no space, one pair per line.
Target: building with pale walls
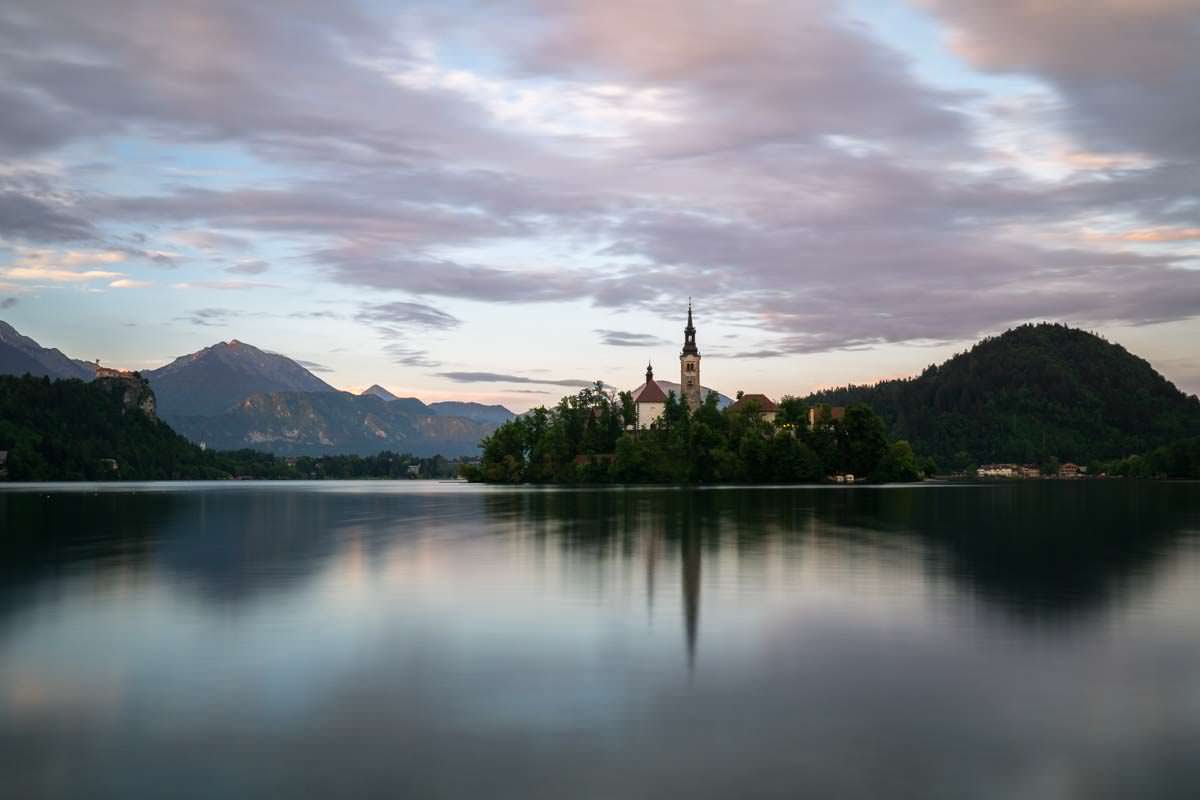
649,401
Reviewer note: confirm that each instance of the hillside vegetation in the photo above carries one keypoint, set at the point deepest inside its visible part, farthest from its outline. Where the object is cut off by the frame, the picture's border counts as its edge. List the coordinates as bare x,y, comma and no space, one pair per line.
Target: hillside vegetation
584,439
1035,393
75,430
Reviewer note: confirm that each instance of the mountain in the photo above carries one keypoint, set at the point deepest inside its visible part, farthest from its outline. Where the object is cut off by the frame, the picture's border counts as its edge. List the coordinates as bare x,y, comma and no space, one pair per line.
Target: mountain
410,404
378,391
1032,393
320,423
493,415
217,378
20,354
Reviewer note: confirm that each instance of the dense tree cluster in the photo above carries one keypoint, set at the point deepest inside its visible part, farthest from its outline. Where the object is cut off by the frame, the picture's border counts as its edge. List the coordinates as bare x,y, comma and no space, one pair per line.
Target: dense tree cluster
1034,393
585,439
72,430
1176,460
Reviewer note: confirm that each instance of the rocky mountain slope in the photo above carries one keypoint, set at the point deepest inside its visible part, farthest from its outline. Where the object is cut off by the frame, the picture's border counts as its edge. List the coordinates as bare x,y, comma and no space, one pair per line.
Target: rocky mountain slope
491,414
20,354
321,423
219,377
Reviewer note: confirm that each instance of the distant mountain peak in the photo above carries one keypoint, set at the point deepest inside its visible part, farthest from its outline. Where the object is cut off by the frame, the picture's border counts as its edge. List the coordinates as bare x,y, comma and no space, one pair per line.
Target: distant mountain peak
219,376
378,391
20,354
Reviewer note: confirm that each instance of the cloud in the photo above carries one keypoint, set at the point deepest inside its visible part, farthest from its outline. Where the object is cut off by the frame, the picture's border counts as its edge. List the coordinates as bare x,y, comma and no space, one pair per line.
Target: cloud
127,283
745,78
313,366
214,241
628,339
58,275
409,315
1161,235
226,286
30,219
1125,71
396,323
314,315
754,354
405,354
499,377
215,317
777,159
8,302
249,267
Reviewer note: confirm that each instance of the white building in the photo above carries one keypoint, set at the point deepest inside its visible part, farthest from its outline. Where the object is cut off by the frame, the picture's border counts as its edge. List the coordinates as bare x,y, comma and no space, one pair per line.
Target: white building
649,401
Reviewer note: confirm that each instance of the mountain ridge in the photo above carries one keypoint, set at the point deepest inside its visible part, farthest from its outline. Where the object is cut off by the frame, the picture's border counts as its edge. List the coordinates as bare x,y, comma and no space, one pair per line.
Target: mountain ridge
216,378
20,354
322,423
479,412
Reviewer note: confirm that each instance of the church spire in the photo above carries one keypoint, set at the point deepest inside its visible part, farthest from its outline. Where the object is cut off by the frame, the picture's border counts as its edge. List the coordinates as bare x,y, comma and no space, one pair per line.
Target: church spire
649,372
689,335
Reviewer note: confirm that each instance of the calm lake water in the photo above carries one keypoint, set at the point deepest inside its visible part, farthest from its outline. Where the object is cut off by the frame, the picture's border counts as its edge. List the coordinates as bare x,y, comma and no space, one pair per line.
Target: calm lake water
1035,640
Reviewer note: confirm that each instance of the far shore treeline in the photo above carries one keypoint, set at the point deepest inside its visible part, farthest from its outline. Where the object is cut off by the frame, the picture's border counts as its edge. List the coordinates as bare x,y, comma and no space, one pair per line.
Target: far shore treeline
72,430
586,439
1035,395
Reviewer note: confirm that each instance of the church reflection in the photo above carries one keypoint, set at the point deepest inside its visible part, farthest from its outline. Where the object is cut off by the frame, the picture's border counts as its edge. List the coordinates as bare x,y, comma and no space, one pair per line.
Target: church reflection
691,594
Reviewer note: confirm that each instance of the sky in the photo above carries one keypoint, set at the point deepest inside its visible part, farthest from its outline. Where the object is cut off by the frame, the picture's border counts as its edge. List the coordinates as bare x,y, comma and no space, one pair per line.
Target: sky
492,200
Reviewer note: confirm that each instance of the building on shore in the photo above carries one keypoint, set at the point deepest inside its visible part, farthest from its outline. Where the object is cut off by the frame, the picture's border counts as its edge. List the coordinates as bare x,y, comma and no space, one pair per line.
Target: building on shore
1069,470
758,404
824,416
999,471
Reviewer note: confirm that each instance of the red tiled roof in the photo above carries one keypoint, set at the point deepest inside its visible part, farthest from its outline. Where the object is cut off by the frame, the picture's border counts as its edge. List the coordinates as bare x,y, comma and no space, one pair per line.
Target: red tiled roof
649,392
763,403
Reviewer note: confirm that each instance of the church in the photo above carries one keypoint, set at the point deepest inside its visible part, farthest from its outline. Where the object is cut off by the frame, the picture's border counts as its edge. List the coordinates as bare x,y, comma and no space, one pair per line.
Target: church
650,400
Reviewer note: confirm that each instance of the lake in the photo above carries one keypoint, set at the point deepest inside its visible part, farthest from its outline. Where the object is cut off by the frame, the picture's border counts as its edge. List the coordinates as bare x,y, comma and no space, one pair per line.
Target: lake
428,640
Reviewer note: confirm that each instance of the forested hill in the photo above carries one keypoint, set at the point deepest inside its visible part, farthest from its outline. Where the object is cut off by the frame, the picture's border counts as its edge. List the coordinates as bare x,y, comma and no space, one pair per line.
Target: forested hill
1033,393
105,430
77,430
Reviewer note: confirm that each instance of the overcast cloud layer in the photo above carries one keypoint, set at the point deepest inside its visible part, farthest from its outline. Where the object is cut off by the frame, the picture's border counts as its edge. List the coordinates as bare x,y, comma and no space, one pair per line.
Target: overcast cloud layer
430,190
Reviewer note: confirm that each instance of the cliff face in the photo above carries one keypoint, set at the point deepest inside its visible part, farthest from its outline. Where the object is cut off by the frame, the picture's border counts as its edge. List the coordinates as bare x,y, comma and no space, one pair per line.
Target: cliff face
135,391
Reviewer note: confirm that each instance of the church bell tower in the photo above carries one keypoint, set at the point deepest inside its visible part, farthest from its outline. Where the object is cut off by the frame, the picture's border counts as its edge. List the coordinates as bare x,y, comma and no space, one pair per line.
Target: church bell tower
689,364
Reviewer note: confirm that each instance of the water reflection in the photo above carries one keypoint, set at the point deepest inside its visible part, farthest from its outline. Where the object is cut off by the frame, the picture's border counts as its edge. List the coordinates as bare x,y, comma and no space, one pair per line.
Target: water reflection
1036,640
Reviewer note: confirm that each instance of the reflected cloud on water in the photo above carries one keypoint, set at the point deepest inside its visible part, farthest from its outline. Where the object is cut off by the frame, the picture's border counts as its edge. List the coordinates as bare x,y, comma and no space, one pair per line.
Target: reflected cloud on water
450,641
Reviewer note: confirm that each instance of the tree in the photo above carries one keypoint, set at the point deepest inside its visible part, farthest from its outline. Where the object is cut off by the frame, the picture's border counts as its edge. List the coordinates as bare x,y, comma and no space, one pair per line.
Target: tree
898,464
863,440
